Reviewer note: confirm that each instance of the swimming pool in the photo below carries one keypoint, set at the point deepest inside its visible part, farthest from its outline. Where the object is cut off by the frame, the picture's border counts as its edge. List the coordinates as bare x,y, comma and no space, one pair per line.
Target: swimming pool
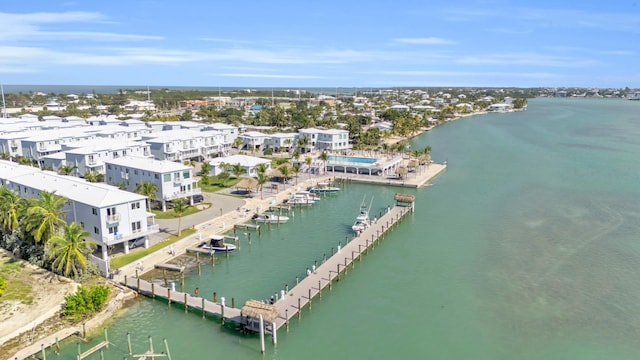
351,159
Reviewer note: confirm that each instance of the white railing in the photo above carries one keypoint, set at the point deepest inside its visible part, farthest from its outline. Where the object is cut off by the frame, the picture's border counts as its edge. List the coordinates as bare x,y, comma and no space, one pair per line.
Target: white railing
119,238
112,219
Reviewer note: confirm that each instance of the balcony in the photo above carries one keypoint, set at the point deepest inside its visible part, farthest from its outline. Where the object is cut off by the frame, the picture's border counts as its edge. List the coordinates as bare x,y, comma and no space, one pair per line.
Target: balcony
183,194
113,219
112,239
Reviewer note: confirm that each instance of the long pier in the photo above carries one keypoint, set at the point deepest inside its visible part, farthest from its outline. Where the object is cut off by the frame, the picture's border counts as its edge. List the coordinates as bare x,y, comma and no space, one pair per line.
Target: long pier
318,278
203,305
330,270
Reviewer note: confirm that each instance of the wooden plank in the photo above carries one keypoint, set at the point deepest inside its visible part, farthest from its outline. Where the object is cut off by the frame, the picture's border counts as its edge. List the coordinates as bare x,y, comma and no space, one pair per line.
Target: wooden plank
92,350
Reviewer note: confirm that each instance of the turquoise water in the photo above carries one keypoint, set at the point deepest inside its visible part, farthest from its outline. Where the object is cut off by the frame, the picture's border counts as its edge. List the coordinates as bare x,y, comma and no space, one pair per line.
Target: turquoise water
352,159
525,248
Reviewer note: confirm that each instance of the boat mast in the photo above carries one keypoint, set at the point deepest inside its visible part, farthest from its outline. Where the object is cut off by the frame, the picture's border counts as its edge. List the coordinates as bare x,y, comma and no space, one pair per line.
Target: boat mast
4,104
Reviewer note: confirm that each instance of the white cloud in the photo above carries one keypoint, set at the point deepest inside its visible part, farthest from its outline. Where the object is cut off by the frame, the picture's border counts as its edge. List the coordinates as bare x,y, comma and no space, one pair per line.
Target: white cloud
425,41
449,74
530,59
268,76
20,28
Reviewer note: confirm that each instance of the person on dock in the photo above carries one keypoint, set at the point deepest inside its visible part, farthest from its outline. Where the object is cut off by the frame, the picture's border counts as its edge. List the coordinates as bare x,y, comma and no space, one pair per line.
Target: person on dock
196,291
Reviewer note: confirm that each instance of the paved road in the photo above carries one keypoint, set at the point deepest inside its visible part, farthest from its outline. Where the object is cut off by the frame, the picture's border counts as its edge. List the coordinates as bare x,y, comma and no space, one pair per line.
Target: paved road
220,204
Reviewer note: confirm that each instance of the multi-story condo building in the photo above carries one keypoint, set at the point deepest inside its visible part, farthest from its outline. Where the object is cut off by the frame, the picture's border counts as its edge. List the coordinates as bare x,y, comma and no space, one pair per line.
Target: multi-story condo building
173,180
111,216
180,145
325,139
281,141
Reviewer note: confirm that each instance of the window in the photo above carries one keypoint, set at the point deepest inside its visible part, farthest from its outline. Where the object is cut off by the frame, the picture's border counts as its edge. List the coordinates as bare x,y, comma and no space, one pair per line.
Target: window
176,176
156,176
135,172
135,226
94,211
135,205
113,230
111,211
186,175
167,177
109,166
96,230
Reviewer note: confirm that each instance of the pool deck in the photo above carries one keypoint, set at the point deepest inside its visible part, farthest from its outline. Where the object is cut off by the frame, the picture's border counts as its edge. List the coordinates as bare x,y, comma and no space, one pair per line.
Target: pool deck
418,178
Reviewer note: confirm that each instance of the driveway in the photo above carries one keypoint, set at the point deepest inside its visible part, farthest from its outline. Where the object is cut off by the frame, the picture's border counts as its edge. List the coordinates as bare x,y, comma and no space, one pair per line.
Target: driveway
220,204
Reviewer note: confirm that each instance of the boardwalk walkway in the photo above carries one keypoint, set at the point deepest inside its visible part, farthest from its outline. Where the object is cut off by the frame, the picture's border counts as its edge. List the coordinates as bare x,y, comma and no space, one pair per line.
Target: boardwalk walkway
311,286
300,295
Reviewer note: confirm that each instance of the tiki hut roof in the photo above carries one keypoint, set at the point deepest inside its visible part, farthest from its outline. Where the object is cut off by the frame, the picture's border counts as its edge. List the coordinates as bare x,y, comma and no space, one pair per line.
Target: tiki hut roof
402,171
277,173
405,198
247,183
255,308
413,163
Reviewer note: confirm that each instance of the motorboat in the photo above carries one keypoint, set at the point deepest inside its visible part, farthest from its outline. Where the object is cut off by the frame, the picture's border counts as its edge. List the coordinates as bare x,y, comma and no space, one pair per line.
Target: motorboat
362,220
302,198
270,217
216,243
360,226
323,188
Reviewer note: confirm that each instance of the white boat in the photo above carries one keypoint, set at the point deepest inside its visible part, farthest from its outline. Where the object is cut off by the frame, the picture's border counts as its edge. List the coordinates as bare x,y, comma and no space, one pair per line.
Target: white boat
362,220
270,217
323,187
216,243
303,198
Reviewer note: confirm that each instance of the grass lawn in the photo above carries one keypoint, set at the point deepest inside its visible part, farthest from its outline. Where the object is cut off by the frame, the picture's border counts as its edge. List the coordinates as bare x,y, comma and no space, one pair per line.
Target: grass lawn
126,259
17,288
170,214
216,184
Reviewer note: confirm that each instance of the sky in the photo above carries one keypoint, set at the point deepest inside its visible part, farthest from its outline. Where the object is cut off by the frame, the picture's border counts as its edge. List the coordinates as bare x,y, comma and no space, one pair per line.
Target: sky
329,43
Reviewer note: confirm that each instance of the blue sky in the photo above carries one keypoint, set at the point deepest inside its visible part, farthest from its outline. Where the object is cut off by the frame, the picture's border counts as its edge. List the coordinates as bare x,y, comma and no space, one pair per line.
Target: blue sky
321,43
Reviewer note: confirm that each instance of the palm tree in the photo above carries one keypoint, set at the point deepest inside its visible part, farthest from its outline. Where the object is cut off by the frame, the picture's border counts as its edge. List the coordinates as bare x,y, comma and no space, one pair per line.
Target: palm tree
324,157
179,207
66,169
237,170
261,168
262,179
45,218
285,170
11,206
91,176
303,142
148,189
237,142
308,160
69,250
296,169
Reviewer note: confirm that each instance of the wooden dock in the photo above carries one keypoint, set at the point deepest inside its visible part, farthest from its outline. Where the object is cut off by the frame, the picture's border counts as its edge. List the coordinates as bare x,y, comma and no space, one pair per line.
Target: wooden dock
170,267
329,271
189,301
293,302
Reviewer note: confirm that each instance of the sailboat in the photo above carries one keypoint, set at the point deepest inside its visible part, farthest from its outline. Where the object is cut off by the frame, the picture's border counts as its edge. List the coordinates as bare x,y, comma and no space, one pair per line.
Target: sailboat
362,220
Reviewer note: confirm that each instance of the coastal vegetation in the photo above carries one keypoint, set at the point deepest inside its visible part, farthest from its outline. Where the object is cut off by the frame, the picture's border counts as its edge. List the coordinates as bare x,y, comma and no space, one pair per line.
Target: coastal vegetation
34,229
85,302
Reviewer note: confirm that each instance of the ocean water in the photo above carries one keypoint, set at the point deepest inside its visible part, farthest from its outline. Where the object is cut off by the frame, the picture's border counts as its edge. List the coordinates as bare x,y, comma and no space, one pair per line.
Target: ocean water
525,248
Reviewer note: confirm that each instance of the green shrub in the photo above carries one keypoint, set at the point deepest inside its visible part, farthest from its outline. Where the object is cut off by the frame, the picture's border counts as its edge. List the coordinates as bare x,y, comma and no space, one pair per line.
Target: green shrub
3,285
85,301
268,151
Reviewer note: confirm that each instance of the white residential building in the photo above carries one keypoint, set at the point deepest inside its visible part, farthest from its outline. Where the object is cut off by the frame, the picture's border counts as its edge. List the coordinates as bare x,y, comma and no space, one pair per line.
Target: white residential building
281,141
248,163
253,140
183,144
333,140
174,180
111,216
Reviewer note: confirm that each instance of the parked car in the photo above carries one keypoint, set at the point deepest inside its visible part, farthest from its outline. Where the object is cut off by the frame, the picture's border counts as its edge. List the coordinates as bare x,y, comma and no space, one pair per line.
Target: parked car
136,243
198,198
